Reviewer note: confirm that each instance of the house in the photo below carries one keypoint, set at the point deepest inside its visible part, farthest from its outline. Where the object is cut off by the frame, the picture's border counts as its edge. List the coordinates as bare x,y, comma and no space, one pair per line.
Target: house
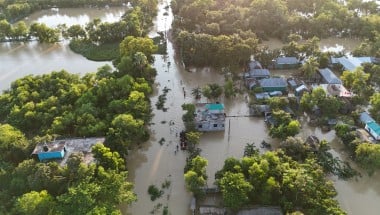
251,83
286,63
365,118
328,77
259,110
300,90
262,96
254,65
60,150
351,63
257,74
209,117
370,125
49,151
273,84
374,129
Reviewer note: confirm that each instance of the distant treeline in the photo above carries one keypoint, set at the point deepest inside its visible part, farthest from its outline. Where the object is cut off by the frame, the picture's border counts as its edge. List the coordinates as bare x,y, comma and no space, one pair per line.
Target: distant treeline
200,24
13,10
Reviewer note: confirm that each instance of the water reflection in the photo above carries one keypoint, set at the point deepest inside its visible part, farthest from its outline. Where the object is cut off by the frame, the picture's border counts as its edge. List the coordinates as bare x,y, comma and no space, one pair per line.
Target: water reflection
78,16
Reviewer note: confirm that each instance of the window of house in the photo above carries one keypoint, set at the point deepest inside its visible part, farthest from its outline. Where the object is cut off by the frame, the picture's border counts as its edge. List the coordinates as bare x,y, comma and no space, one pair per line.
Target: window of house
215,125
199,126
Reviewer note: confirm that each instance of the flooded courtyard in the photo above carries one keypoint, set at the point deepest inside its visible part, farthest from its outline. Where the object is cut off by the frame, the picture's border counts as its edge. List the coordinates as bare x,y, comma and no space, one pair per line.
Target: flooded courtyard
152,163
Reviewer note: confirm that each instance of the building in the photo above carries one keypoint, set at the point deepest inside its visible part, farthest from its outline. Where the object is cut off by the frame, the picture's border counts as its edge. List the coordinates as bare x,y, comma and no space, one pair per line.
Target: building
374,129
370,125
351,63
286,63
209,117
50,151
273,84
365,118
257,74
60,150
328,77
254,65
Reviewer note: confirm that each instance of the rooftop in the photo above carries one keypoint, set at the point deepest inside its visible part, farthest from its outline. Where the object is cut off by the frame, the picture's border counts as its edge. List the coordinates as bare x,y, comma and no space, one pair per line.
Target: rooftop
287,60
209,112
365,118
82,145
254,65
374,126
351,63
273,82
329,76
257,72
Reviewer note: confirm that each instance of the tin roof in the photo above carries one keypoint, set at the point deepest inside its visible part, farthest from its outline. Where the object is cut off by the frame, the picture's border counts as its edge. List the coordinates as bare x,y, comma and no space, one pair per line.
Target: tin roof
273,82
329,76
287,60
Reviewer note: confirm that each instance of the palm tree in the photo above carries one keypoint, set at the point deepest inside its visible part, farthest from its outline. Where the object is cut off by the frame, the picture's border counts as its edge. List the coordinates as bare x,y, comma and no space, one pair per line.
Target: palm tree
309,68
196,92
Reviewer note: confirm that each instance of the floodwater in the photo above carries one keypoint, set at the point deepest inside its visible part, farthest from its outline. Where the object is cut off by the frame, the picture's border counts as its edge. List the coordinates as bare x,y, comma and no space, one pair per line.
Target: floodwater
19,59
152,163
75,16
331,44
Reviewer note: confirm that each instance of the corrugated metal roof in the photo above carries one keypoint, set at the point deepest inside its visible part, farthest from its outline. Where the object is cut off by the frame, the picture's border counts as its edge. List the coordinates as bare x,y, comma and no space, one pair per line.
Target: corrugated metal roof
273,82
365,118
258,72
255,65
287,60
374,126
215,106
351,63
329,76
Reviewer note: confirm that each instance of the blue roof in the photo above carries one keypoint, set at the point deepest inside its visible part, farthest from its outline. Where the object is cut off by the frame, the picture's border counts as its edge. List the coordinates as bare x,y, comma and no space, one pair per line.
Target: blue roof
365,118
273,82
215,106
287,60
374,127
258,73
329,76
255,65
351,63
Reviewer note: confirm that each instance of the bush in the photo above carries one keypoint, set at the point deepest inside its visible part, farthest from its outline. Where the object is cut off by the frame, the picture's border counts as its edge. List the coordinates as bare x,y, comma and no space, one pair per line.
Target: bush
91,51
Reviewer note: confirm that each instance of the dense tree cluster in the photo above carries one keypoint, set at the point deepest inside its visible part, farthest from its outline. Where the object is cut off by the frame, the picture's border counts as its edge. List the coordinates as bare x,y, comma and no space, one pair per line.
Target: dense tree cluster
30,187
275,179
196,177
233,25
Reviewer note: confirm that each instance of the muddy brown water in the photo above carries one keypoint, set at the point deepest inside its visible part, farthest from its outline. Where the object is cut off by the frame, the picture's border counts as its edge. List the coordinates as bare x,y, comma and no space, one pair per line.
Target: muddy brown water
152,163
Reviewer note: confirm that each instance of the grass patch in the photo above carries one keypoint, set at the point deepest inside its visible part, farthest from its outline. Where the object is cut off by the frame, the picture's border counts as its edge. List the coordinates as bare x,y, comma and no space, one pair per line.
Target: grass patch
103,52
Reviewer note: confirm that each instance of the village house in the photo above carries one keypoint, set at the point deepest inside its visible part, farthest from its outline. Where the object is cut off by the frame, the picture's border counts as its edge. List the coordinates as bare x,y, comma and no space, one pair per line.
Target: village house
370,125
328,77
351,63
286,63
273,84
60,150
209,117
257,74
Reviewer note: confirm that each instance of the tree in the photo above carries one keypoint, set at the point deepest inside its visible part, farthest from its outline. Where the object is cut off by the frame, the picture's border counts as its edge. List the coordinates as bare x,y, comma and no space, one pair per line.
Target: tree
35,203
309,68
44,33
234,189
375,106
106,158
368,156
356,81
197,93
196,177
76,32
125,130
131,45
13,144
20,31
296,148
229,89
